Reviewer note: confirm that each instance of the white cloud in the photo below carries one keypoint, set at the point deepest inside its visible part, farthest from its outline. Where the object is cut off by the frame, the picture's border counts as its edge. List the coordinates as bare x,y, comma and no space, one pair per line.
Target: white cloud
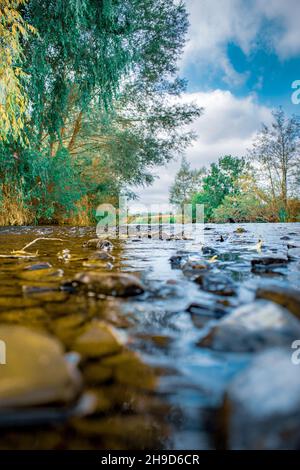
227,126
286,40
215,23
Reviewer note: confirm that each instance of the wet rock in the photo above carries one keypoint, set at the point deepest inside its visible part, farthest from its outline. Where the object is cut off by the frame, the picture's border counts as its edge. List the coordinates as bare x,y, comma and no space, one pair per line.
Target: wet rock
253,327
240,230
115,284
270,259
208,250
132,400
194,266
201,314
93,243
286,237
281,294
40,272
68,328
216,284
96,373
293,245
105,245
128,369
45,293
96,264
262,405
97,339
126,432
38,266
160,341
102,256
98,244
64,255
7,303
294,253
176,260
267,263
34,317
36,372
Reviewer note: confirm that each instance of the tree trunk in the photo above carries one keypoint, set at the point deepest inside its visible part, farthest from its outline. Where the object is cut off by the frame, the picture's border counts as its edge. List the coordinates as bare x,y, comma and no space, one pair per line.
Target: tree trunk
76,129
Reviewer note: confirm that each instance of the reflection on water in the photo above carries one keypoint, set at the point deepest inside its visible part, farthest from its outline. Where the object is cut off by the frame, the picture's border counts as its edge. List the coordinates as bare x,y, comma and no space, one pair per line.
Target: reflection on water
154,387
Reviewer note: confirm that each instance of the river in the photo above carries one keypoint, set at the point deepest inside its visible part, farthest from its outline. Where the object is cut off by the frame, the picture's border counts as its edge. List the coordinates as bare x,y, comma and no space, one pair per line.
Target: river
167,395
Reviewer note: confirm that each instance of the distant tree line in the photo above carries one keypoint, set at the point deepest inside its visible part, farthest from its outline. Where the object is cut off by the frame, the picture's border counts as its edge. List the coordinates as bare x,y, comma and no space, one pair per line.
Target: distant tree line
263,186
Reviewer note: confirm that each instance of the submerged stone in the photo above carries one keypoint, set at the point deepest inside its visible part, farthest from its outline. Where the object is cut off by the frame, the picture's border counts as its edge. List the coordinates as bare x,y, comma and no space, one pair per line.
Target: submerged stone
176,261
262,406
105,245
96,373
268,263
281,294
33,317
36,371
208,250
40,273
216,284
93,243
202,314
254,327
129,369
7,303
294,253
97,339
115,284
194,266
129,432
102,256
269,260
98,244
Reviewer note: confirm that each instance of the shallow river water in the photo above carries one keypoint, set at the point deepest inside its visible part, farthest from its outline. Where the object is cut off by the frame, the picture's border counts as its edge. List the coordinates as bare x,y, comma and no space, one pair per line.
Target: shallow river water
166,395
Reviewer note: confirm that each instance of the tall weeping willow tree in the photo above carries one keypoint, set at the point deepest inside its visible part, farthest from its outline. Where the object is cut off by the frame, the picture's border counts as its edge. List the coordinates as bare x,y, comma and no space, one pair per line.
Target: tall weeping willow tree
101,81
80,55
13,99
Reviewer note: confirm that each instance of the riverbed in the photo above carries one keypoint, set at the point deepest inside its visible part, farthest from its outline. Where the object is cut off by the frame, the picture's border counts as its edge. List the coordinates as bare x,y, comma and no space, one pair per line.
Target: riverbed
167,393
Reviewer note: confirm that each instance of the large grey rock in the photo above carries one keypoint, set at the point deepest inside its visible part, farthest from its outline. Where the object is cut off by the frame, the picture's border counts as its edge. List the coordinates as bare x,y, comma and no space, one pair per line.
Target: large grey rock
253,327
262,404
286,296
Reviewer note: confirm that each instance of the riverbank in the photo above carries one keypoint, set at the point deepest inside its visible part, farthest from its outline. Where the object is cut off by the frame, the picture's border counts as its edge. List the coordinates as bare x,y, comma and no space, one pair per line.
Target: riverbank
156,347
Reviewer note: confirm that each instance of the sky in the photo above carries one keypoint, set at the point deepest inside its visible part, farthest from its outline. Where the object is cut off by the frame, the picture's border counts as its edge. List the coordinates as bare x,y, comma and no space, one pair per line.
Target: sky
240,60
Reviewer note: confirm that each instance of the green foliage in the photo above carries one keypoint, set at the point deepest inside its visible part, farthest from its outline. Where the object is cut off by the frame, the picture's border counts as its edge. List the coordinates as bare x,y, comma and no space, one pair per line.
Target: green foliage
243,207
276,153
222,180
13,99
187,183
102,81
50,187
80,54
